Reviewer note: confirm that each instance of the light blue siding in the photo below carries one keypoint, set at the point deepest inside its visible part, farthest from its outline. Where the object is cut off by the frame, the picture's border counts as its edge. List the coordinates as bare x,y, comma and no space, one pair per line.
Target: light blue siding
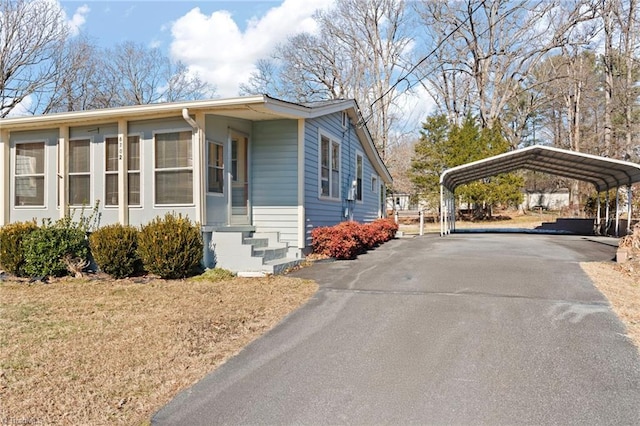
274,178
323,212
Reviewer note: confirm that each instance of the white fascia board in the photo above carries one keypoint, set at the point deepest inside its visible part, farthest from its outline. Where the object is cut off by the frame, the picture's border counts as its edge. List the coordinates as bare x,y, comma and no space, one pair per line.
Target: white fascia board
111,114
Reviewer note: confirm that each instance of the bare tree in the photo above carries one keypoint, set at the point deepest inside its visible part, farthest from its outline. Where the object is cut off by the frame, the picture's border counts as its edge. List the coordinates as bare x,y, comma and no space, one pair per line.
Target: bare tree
137,75
620,21
360,52
265,80
79,79
31,35
486,50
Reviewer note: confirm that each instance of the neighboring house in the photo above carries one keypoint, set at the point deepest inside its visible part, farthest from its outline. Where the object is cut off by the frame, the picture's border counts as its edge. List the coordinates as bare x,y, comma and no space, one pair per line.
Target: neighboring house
549,200
257,173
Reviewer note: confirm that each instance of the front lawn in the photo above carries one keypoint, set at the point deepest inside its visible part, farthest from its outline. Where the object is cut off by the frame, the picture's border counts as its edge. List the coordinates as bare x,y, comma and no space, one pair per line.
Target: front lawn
102,352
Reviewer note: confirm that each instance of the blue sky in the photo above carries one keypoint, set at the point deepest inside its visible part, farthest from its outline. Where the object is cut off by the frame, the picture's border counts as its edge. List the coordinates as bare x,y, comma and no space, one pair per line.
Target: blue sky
221,40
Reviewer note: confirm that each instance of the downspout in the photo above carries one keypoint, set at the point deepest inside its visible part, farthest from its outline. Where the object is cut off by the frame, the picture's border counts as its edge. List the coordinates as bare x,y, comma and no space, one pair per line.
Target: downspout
302,237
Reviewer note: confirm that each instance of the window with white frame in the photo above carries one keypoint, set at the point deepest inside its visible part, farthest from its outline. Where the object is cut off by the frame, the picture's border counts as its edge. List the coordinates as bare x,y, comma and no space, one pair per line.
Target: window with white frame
29,174
133,170
374,184
329,167
79,172
173,168
359,173
215,168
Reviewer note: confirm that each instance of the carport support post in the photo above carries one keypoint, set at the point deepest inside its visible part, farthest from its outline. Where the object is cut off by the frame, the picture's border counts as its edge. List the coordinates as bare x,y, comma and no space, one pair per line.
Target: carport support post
617,212
441,210
453,212
598,227
606,213
629,208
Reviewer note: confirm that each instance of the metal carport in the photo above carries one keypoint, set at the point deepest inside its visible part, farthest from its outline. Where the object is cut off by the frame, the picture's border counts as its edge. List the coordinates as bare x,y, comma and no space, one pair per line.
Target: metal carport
603,173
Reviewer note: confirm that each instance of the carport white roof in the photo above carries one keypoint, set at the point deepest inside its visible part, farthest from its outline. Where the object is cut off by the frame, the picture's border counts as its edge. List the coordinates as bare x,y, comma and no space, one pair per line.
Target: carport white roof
603,173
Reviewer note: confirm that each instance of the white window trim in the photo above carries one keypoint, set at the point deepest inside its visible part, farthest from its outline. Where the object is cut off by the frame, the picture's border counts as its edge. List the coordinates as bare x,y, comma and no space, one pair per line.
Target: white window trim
374,183
14,174
222,144
345,120
89,173
155,169
332,140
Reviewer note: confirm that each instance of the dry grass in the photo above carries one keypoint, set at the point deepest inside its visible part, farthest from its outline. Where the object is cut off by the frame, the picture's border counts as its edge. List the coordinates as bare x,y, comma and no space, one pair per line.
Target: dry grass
620,283
113,352
517,220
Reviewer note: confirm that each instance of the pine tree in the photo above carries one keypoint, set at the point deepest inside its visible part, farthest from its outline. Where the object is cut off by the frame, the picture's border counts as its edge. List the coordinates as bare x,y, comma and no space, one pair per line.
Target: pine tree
443,145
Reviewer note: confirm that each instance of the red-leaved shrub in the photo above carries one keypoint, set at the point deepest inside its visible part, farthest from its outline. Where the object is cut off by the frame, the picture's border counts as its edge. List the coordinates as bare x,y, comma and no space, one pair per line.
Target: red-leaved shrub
386,228
348,239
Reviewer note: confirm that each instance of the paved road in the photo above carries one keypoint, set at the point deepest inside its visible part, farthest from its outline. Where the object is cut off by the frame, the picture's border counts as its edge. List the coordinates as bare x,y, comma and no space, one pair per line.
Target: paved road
466,329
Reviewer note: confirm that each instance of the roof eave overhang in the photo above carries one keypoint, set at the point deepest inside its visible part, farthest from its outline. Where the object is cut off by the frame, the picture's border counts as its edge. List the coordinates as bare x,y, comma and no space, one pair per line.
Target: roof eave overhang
263,105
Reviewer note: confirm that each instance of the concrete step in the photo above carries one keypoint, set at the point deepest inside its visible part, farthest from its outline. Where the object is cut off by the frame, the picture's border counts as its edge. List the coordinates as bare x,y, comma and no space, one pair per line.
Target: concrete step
272,267
270,253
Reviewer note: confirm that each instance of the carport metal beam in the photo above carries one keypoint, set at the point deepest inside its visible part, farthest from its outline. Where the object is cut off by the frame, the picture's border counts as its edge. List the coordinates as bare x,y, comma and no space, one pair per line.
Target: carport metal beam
603,173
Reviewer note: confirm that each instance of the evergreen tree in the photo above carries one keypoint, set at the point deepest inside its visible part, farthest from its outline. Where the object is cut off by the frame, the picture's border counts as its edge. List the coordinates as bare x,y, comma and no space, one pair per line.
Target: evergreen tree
443,145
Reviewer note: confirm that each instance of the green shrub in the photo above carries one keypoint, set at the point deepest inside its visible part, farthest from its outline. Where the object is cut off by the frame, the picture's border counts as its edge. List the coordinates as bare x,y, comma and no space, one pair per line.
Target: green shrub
46,248
170,247
11,249
114,249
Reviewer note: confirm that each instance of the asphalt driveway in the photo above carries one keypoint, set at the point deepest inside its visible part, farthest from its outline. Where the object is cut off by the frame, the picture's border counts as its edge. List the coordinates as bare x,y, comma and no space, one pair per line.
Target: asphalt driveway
466,329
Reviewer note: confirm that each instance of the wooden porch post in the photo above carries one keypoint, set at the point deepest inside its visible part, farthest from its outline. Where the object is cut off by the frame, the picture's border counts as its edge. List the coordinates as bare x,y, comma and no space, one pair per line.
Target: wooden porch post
63,170
123,175
5,202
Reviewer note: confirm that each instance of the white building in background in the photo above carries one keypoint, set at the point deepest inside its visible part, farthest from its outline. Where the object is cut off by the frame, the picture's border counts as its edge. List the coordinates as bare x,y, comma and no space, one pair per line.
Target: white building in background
556,200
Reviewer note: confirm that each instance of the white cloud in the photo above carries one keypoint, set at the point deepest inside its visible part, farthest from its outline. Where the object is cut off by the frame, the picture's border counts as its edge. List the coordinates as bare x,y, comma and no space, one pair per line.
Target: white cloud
222,54
78,19
22,109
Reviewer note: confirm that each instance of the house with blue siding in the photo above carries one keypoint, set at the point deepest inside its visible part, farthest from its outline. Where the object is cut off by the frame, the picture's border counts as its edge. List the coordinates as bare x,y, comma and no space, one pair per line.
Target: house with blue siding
257,174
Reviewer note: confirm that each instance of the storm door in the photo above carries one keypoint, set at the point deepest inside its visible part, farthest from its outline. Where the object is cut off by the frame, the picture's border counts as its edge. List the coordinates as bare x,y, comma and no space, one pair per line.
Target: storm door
239,179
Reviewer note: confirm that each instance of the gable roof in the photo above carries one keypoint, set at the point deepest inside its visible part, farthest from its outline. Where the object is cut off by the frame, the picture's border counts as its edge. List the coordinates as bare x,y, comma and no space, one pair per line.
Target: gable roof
603,173
253,108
